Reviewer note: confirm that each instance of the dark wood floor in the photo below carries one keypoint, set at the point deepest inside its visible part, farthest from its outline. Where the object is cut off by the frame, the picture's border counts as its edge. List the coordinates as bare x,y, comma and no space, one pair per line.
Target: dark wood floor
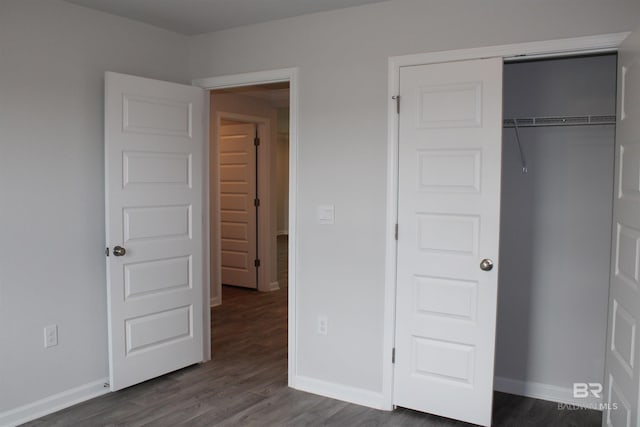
245,384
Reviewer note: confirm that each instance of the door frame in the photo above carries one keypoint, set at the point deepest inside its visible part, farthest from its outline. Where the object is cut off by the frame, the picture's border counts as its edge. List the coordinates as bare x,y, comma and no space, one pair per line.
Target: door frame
542,49
249,79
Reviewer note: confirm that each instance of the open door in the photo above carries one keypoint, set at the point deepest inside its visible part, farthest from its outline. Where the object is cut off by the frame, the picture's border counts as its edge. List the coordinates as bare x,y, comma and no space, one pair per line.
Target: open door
622,366
153,175
238,205
450,141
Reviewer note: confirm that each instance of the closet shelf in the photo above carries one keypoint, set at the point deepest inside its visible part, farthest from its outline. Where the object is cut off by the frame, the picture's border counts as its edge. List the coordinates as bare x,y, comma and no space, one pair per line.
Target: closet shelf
559,121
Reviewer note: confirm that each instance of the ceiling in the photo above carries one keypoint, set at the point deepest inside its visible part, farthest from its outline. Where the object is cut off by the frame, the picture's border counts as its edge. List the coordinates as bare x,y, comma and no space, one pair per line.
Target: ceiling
191,17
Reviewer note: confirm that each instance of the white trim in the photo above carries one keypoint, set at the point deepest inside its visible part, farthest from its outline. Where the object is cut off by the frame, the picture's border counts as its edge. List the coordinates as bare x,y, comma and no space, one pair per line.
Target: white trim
388,335
572,46
341,392
543,391
274,286
214,302
206,245
293,226
549,48
273,76
54,403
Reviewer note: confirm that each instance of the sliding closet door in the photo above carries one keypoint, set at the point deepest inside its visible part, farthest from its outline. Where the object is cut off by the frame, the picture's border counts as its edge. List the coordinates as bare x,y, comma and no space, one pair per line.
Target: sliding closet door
622,373
449,219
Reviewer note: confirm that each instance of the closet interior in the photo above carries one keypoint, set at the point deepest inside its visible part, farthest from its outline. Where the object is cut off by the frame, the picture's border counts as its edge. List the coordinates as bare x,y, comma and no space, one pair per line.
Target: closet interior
556,219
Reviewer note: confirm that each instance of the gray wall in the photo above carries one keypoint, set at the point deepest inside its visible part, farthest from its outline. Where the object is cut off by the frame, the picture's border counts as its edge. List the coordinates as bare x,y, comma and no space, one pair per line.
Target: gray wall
52,268
556,224
342,57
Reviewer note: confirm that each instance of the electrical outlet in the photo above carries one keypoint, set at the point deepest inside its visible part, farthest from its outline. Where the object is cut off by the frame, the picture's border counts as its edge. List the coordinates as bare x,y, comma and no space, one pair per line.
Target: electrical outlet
323,325
50,336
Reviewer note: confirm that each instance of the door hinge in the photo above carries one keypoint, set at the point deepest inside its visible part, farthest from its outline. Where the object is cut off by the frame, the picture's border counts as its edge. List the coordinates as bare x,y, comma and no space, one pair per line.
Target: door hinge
106,252
397,99
256,141
256,263
256,202
396,233
393,355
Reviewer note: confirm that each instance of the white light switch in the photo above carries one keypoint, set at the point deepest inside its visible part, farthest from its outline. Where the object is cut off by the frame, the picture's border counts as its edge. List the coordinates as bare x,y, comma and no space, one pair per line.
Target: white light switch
326,214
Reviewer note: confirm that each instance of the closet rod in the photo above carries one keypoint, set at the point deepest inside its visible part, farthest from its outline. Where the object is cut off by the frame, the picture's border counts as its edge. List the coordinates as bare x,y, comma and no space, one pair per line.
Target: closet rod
559,121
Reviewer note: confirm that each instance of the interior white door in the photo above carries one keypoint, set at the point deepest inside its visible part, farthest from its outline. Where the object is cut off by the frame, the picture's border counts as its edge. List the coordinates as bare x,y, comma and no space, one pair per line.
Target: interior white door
622,373
153,166
238,213
450,130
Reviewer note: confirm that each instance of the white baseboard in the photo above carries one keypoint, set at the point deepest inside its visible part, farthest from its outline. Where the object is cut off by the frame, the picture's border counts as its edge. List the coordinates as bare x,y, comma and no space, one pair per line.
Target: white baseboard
274,286
543,391
283,232
215,301
340,392
53,403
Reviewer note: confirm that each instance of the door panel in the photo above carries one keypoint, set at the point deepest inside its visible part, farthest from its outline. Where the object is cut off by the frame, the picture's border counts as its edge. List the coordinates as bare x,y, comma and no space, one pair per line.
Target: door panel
237,211
622,377
449,215
153,150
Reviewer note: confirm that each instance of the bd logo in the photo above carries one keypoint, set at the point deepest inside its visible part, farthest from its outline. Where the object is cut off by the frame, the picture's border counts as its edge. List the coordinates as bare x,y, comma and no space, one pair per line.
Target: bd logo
584,390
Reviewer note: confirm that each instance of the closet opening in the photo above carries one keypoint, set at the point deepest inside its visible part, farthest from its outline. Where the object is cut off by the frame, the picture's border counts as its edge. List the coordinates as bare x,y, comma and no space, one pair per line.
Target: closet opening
555,226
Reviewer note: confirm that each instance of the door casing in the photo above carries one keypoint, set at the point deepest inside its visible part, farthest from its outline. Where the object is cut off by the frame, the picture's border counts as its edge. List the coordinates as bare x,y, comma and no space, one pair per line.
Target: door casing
545,49
249,79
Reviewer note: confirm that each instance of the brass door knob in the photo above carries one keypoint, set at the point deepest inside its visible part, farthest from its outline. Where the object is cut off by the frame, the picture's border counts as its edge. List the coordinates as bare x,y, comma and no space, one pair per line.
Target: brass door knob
119,251
485,265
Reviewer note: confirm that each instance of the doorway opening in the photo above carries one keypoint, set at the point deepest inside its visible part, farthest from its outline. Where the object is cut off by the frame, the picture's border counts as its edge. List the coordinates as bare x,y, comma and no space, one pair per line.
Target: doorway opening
211,217
249,217
555,225
250,179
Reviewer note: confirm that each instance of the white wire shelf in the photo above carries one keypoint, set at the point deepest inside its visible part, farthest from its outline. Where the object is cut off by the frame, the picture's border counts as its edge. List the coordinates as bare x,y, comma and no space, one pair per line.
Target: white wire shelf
524,122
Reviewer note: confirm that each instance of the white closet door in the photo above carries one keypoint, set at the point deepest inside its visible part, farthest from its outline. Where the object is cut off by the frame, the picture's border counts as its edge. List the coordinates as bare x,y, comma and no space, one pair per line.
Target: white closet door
622,373
449,221
153,172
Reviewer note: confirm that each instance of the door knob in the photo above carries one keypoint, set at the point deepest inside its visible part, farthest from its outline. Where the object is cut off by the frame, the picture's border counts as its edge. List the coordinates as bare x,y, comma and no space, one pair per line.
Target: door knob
119,251
485,265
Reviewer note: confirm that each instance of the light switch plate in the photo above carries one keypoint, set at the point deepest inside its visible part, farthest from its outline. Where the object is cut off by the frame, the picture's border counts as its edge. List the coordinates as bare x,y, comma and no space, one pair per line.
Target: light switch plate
326,214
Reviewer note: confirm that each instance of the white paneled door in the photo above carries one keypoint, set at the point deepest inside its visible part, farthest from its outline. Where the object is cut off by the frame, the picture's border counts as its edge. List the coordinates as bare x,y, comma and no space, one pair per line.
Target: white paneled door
153,175
238,219
622,373
450,130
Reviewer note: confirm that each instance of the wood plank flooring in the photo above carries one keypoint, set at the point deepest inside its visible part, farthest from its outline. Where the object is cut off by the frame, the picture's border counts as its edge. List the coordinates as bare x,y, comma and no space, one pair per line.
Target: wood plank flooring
245,384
